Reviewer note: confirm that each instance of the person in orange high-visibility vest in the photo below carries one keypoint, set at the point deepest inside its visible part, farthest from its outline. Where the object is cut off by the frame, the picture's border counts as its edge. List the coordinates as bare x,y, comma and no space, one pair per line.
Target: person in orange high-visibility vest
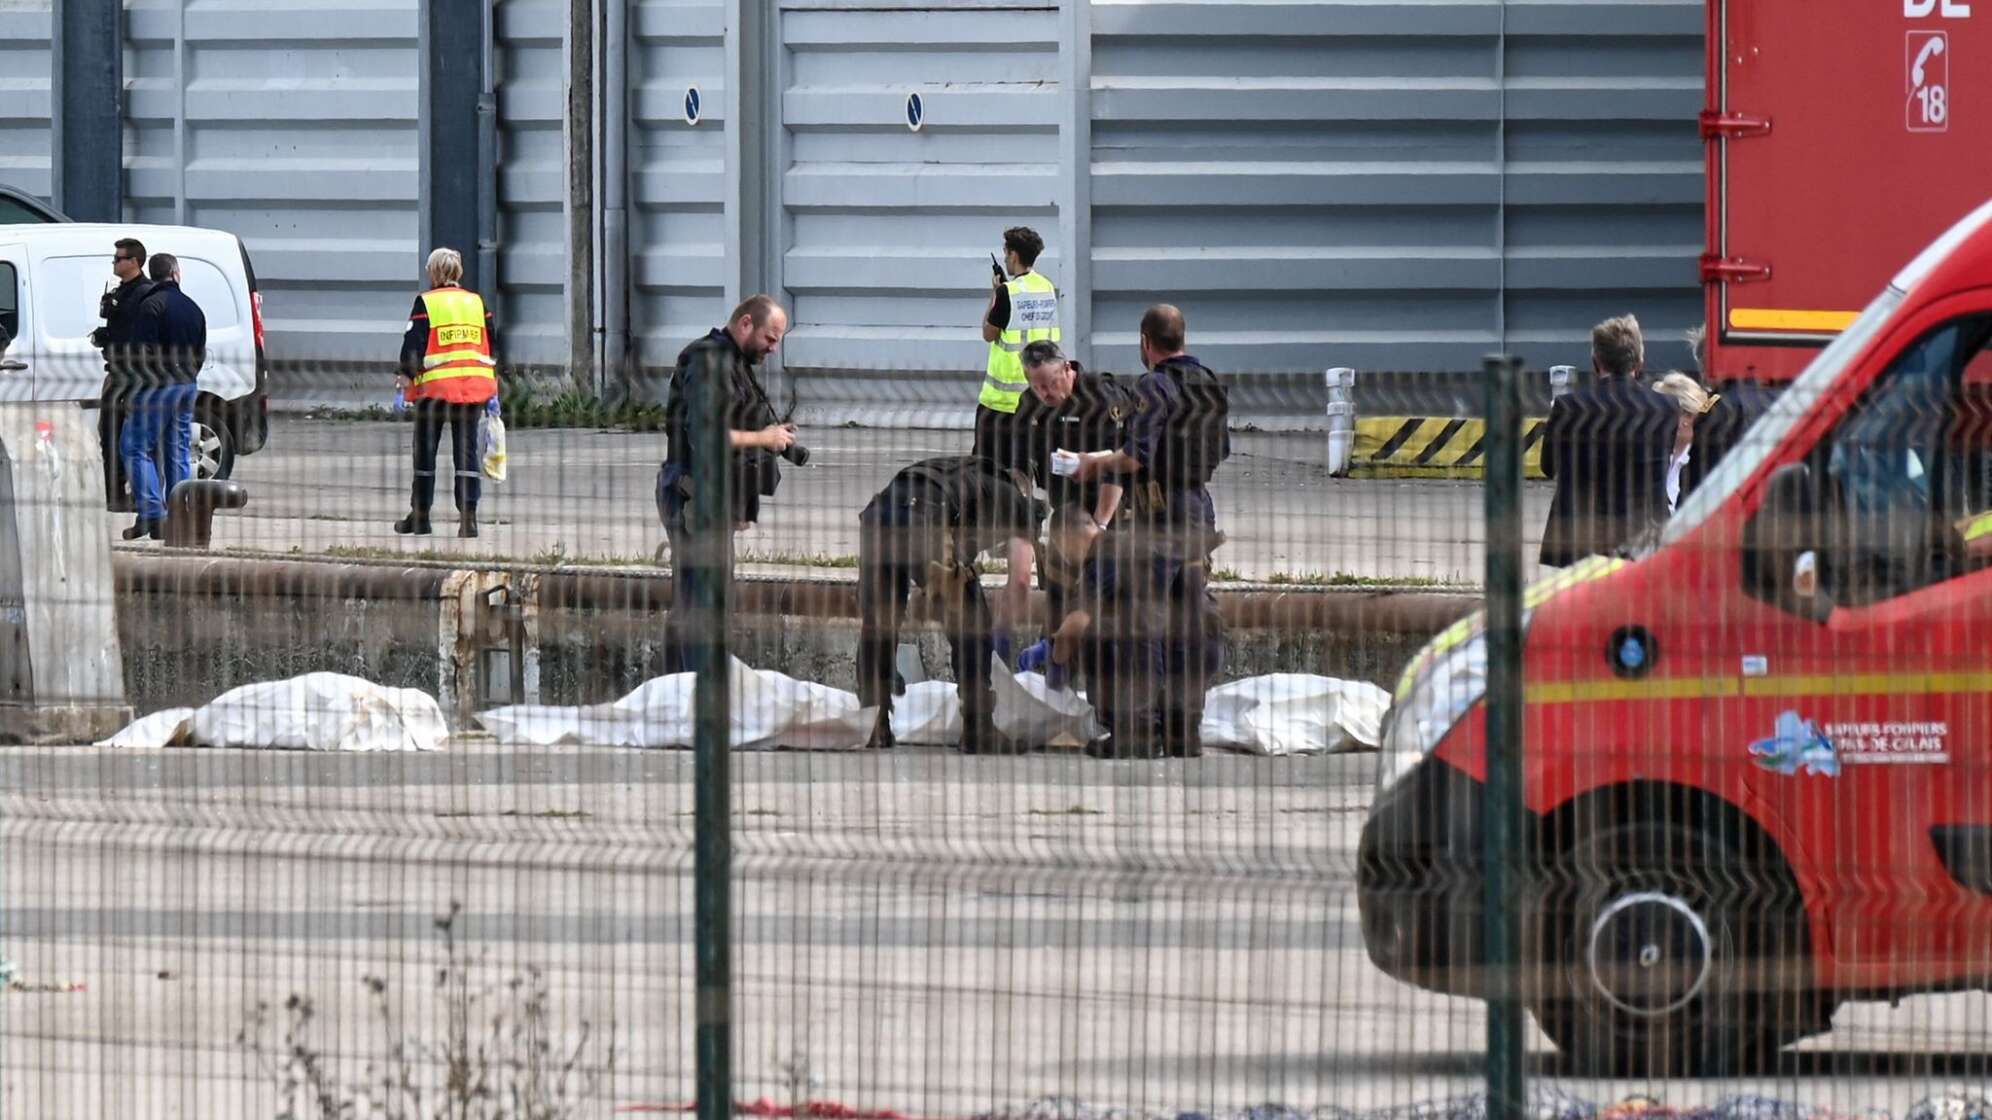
448,374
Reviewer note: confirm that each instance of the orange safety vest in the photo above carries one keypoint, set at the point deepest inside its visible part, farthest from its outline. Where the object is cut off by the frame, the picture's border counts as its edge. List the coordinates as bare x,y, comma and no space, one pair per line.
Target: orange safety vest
457,366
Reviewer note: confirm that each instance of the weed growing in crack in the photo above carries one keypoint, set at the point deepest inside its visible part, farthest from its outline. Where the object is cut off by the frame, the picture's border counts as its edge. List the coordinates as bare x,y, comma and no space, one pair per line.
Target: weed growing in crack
497,1060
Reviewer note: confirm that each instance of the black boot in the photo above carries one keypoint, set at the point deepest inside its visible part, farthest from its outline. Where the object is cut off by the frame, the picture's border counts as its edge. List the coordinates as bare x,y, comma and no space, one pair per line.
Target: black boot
142,528
1127,737
881,736
415,524
467,522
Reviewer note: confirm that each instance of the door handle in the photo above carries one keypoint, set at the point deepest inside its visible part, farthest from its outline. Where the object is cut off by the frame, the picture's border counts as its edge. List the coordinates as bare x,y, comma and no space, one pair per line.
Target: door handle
11,366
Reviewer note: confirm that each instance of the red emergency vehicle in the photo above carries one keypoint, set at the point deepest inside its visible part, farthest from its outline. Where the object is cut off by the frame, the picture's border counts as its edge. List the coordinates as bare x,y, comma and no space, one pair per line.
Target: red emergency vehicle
1758,756
1842,136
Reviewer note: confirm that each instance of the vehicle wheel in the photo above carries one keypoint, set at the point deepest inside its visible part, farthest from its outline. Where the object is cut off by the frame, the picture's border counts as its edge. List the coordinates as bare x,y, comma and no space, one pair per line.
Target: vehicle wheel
1667,954
214,445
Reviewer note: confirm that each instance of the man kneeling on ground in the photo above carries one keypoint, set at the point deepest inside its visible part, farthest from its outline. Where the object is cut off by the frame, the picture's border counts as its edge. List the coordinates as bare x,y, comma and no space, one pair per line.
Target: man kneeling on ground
1143,631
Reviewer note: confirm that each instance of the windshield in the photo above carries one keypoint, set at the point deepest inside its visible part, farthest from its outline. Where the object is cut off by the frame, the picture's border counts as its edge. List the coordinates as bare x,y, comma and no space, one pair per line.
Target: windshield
1769,432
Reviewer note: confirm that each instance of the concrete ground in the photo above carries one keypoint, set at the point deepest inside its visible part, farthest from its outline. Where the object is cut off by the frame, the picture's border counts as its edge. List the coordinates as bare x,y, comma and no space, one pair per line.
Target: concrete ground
588,495
916,931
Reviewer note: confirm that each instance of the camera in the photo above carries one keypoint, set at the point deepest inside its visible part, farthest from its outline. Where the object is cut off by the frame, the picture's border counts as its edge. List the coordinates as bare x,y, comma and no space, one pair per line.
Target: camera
796,454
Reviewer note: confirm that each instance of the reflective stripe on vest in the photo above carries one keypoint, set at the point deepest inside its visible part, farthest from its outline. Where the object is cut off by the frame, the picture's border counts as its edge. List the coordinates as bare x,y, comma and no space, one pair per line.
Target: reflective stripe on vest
1033,318
458,346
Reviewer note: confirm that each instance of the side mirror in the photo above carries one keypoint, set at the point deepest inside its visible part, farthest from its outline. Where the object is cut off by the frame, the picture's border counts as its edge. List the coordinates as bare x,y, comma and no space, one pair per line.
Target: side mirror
1805,575
1782,543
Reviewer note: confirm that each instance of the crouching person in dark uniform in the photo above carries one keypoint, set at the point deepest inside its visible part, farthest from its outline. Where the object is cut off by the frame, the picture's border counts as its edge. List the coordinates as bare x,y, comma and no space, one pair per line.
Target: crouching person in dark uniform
926,528
1143,629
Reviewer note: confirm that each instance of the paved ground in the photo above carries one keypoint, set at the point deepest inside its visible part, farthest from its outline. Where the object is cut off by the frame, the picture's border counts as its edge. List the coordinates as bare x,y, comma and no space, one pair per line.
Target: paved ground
590,495
923,931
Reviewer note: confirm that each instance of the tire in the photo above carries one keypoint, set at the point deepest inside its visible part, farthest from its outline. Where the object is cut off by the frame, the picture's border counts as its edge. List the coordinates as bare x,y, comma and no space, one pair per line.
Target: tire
214,444
1666,953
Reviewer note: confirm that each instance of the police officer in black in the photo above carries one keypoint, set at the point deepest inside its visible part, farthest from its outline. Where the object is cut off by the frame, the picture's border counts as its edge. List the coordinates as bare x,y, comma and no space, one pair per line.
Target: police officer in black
118,308
926,528
1142,627
728,355
1159,553
1069,411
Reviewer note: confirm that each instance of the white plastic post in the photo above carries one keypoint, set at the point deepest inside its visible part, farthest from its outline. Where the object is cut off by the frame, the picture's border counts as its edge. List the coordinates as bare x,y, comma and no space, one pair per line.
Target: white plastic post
1341,419
1560,378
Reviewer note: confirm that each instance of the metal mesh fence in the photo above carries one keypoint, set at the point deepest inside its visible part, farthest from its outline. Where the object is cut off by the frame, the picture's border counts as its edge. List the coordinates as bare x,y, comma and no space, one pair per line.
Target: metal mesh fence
438,858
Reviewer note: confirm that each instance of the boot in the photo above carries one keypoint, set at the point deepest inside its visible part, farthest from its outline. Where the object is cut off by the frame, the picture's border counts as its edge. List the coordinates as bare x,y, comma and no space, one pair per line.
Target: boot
467,522
1126,738
881,736
415,524
142,528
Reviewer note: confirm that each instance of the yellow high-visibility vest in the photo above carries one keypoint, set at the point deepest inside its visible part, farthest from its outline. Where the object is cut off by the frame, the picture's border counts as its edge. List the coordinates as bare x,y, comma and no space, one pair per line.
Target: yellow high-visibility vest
1033,317
458,348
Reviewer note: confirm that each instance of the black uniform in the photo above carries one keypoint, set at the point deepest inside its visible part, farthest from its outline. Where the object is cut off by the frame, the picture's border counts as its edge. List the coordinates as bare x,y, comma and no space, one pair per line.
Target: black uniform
926,528
1156,641
119,310
1093,418
755,472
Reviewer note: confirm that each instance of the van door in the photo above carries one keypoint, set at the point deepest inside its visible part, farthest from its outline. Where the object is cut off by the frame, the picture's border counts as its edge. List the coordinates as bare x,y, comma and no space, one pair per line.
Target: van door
1873,701
17,350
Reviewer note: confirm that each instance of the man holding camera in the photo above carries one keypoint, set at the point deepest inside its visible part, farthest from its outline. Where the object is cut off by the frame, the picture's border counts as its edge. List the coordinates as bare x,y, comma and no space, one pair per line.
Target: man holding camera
755,437
118,308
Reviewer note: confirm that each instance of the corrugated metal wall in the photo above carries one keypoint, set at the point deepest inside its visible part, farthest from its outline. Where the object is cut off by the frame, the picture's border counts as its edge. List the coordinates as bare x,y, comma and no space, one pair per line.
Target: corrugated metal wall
296,129
677,225
24,95
532,180
1393,186
1603,173
1389,185
887,231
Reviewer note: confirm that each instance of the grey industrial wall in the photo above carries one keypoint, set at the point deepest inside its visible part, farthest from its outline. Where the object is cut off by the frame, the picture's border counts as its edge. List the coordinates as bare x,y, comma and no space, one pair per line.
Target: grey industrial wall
24,97
1392,186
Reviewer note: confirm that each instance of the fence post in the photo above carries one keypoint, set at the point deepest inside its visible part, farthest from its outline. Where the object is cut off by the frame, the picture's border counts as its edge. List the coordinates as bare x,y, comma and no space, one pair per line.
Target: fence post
709,575
1501,807
1341,419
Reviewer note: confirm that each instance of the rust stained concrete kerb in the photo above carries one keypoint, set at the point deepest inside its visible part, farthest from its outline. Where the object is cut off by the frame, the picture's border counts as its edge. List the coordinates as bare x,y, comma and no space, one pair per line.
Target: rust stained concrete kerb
194,625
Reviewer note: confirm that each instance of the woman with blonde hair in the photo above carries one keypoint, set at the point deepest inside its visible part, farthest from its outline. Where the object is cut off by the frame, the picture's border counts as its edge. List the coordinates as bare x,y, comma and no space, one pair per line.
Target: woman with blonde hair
1693,402
449,373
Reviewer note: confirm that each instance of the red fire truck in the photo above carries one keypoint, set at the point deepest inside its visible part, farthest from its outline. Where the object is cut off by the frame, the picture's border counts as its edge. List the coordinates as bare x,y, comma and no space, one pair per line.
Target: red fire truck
1843,136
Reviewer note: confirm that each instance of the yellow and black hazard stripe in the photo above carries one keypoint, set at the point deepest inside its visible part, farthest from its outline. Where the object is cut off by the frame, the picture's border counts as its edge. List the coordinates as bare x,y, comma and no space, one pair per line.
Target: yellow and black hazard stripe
1432,447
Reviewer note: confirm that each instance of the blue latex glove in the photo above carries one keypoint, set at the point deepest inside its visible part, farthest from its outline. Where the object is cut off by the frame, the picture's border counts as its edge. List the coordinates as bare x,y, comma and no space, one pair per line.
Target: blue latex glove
400,401
1037,659
491,407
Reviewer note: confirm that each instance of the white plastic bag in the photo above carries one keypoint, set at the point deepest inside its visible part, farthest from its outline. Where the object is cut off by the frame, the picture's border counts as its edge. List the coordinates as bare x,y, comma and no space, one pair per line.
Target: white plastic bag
769,709
929,715
491,443
1294,713
314,712
1030,711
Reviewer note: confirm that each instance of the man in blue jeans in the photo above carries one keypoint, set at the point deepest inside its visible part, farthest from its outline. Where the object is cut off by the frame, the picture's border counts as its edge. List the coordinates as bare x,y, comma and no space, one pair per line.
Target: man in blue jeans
169,341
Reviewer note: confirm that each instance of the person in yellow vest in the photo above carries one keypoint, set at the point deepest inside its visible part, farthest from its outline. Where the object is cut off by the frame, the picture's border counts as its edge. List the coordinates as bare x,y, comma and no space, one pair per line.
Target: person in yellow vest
1023,308
448,374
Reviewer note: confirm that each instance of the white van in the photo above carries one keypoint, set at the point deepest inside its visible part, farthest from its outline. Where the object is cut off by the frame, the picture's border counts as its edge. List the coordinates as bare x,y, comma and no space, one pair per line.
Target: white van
52,277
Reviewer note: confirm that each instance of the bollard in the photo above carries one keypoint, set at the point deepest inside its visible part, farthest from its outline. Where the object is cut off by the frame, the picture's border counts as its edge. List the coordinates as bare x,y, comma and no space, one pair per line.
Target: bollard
190,510
1561,380
1341,419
